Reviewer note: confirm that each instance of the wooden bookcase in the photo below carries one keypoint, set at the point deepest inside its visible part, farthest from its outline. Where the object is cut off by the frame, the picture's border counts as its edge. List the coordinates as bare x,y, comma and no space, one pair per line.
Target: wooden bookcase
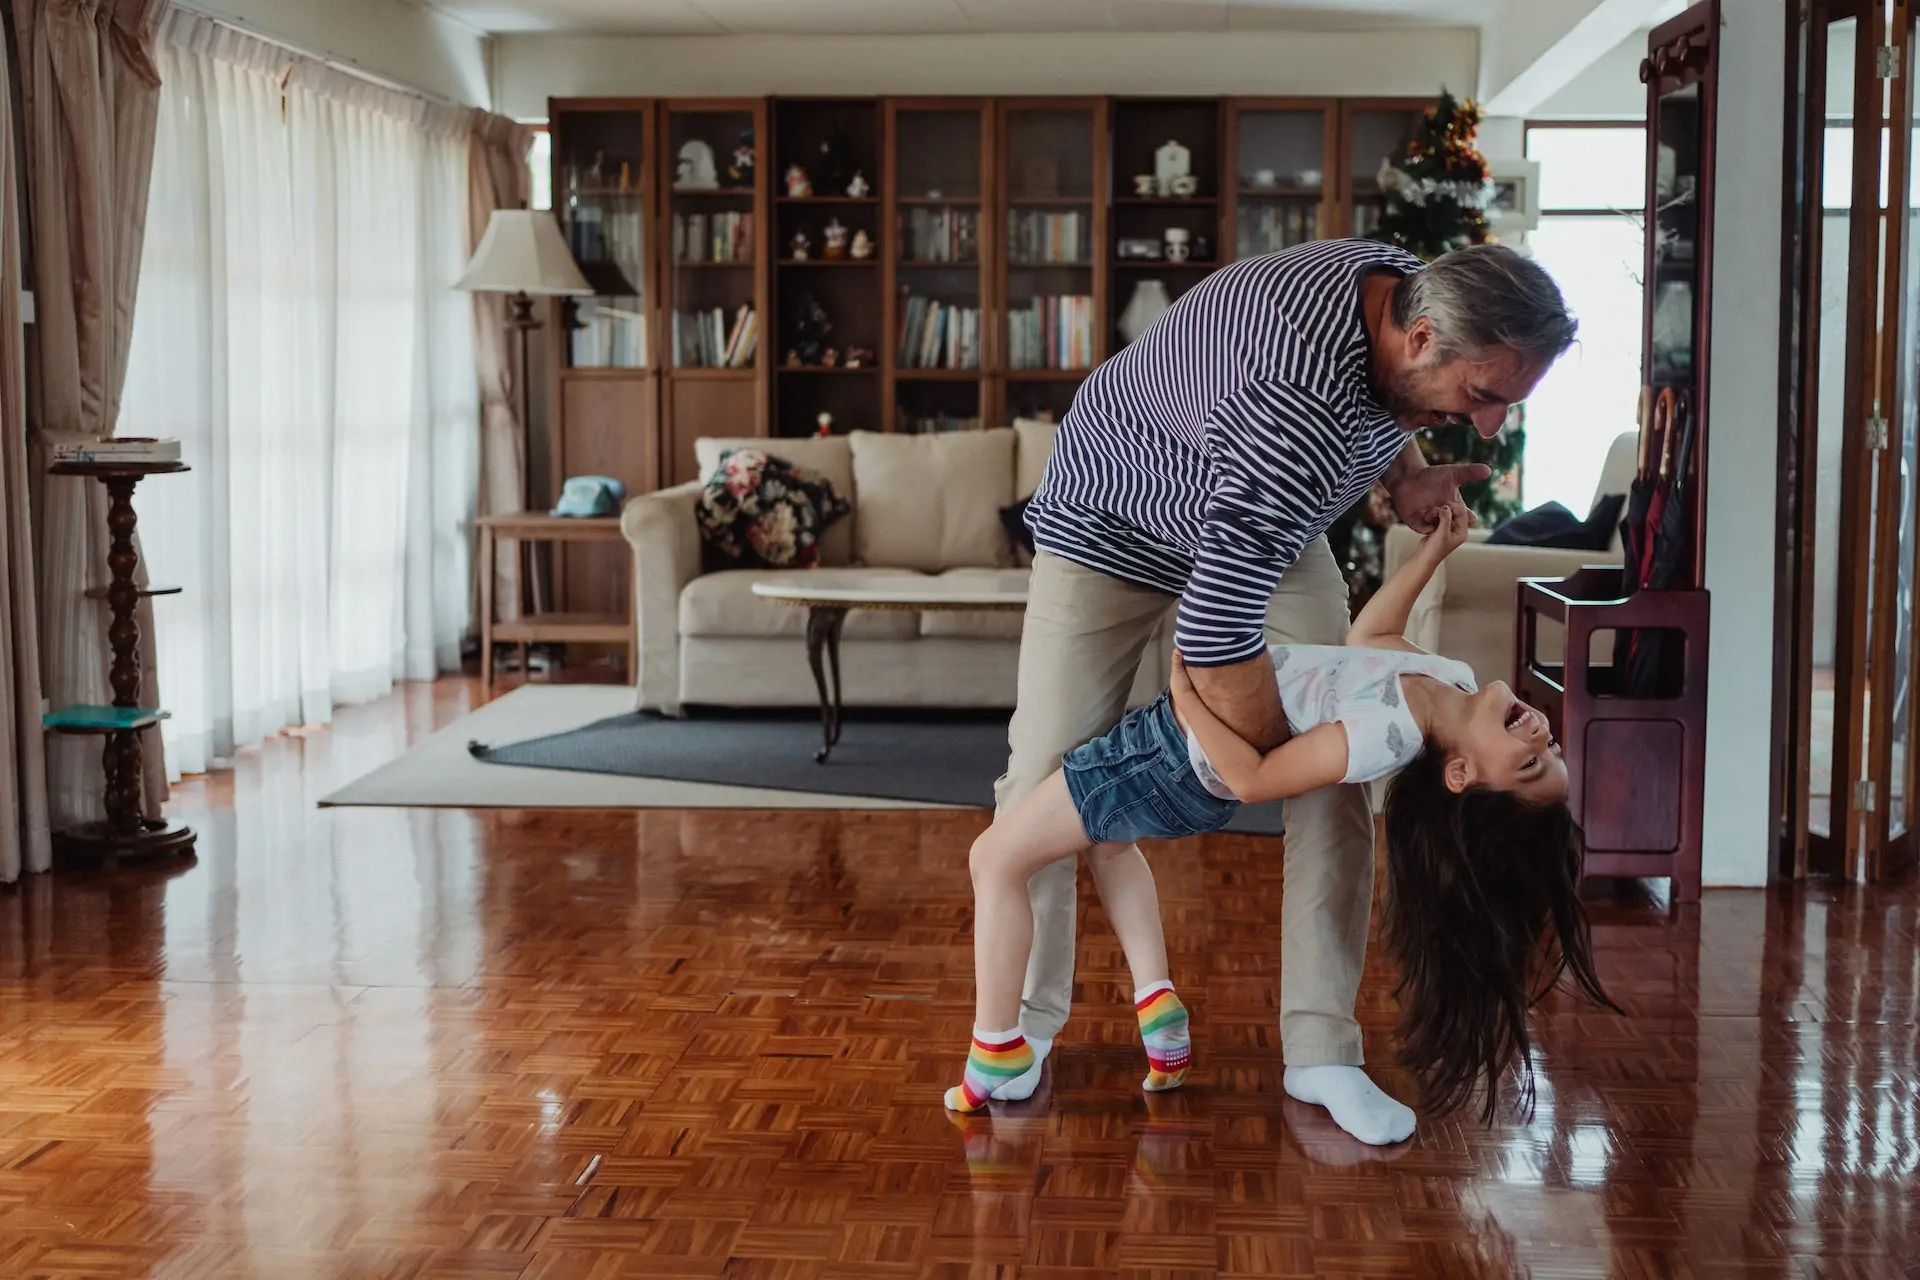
1050,283
832,140
604,410
1140,127
707,391
1284,172
939,242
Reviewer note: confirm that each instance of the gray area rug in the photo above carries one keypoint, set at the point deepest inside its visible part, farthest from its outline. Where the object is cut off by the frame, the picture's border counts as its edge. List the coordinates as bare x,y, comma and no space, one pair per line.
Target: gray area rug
950,761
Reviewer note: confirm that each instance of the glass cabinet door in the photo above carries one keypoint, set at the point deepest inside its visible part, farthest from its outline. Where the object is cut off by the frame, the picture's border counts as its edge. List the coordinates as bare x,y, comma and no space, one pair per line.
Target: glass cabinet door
710,163
1375,135
1279,173
600,194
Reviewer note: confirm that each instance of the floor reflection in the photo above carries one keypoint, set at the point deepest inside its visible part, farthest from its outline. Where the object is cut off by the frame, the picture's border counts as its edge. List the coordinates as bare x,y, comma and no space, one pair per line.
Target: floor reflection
373,1042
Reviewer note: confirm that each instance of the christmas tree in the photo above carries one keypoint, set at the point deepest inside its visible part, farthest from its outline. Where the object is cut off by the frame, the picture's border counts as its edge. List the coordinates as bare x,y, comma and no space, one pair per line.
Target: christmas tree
1435,194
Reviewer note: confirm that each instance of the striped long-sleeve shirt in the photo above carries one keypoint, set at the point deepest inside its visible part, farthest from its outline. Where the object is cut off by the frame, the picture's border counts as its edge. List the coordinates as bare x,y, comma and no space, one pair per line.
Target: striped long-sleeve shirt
1201,458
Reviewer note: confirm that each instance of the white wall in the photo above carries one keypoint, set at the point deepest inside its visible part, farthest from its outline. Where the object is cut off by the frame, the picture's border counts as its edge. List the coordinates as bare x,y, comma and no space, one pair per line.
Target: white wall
402,41
528,69
1610,89
1743,407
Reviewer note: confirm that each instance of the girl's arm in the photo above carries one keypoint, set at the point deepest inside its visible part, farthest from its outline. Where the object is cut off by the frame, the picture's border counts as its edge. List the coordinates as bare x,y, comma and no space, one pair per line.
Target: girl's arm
1315,759
1383,623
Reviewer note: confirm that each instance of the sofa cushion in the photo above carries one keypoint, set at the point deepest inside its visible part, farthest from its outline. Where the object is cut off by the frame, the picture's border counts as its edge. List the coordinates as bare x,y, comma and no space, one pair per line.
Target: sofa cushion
1033,445
976,624
759,511
829,456
717,605
932,502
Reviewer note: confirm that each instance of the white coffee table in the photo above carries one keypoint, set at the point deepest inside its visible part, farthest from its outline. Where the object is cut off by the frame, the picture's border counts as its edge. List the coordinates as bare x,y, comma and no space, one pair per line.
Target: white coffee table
828,602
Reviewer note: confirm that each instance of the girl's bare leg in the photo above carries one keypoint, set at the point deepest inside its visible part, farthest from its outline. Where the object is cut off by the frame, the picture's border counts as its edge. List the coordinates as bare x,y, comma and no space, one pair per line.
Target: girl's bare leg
1041,828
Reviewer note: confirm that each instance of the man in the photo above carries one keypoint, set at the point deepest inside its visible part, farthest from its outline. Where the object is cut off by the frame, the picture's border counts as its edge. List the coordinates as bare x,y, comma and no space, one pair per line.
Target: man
1200,467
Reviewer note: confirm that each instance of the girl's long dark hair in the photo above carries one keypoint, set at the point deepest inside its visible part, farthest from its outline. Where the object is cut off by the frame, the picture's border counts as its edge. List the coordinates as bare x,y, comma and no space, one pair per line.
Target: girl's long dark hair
1483,914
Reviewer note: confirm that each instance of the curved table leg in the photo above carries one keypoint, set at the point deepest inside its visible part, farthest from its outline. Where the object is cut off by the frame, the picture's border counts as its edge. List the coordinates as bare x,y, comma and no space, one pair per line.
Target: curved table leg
823,647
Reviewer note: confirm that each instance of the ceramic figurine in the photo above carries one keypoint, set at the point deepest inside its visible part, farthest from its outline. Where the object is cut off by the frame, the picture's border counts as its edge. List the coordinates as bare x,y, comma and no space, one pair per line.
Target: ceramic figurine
825,421
835,234
800,245
793,358
1179,244
695,171
830,358
862,246
1185,185
859,186
740,172
1148,303
1143,184
797,185
858,357
1170,161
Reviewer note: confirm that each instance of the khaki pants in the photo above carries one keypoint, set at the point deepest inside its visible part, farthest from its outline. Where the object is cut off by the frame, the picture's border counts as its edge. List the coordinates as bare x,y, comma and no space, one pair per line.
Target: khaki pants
1084,636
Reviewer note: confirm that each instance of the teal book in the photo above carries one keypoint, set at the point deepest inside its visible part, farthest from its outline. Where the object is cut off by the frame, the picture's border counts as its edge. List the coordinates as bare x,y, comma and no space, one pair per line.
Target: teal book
97,717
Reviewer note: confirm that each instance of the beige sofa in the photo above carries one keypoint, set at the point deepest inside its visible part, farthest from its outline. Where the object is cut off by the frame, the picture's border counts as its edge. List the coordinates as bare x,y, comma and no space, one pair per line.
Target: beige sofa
922,504
1467,611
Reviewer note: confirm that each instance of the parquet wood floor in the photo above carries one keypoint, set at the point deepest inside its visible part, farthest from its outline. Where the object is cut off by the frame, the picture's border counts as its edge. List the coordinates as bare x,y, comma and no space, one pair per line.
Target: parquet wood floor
436,1044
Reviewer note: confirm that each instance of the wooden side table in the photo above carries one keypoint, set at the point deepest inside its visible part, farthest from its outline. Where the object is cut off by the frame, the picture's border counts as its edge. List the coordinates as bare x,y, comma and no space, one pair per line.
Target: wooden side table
585,628
126,832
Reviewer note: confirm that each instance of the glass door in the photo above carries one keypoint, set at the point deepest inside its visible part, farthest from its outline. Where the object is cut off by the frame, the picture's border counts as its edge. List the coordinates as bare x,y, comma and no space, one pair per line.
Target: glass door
1278,156
1852,548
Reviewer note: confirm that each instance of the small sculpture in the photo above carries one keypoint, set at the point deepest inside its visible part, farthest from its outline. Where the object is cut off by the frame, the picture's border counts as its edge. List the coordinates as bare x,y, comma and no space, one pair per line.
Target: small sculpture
859,186
811,327
1143,184
858,357
793,358
862,246
800,245
740,172
830,358
825,420
797,185
695,171
1185,185
1170,161
835,233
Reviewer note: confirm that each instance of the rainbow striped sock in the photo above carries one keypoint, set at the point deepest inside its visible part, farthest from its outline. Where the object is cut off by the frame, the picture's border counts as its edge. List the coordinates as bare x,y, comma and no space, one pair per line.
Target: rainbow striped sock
1000,1064
1163,1030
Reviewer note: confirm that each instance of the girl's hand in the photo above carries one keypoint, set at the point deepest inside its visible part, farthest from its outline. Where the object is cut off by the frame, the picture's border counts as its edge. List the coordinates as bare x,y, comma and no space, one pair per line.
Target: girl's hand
1184,694
1451,523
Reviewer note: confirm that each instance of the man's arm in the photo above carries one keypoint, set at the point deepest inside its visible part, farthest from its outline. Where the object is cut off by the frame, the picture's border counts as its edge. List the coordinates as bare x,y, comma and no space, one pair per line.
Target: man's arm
1276,457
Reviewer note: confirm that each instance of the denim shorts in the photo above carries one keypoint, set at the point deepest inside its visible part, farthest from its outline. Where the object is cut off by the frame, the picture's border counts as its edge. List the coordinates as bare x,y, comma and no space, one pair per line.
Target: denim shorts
1136,782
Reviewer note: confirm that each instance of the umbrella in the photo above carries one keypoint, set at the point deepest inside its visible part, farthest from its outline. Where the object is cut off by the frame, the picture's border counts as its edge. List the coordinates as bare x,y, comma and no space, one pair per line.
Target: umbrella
1669,544
1635,526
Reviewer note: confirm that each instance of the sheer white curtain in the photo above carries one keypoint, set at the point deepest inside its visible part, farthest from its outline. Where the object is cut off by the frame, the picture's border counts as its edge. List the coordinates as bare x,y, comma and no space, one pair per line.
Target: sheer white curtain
298,331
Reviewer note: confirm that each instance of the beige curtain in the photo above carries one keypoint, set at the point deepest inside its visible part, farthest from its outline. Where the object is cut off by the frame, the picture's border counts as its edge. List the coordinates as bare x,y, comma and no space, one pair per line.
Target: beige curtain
23,761
89,93
497,178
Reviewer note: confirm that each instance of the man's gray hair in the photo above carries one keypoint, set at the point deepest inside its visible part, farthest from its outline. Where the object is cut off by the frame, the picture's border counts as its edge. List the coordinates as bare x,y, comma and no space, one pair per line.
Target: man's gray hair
1487,297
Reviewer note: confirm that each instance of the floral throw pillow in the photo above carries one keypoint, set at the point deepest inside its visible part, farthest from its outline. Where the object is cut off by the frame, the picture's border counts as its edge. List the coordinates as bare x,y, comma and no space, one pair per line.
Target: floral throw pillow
762,512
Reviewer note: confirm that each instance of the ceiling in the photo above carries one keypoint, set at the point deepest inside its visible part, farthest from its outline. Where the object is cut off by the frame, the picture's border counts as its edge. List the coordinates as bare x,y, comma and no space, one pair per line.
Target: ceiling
945,17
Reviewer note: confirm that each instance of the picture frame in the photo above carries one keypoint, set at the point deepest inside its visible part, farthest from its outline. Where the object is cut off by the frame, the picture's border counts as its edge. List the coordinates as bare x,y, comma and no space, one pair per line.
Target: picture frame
1515,207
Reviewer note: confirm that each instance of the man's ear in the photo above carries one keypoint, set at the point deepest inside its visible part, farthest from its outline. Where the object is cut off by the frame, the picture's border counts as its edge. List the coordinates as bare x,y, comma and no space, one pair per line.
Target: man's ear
1458,773
1420,339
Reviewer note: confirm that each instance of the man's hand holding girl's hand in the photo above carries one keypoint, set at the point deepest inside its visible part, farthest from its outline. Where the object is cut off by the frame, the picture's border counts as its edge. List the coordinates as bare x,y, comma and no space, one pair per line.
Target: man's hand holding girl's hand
1449,530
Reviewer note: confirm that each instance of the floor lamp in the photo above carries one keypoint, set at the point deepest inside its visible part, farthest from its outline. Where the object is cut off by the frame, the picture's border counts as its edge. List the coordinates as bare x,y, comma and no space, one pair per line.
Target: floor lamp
524,256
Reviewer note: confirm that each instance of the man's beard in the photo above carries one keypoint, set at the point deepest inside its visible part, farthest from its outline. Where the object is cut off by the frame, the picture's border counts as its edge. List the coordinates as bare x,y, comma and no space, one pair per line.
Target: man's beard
1403,394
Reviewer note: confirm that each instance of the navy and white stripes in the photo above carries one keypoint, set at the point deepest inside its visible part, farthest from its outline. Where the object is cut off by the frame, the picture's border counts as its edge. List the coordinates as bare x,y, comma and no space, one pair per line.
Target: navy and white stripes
1202,457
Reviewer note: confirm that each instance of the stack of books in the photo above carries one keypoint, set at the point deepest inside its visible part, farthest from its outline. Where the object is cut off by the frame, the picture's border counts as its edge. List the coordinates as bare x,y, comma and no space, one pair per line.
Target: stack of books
703,340
938,335
942,235
1048,237
1052,332
721,237
127,449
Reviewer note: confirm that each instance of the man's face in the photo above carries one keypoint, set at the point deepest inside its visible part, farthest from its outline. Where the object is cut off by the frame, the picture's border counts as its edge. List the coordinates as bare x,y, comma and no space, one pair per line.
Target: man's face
1425,390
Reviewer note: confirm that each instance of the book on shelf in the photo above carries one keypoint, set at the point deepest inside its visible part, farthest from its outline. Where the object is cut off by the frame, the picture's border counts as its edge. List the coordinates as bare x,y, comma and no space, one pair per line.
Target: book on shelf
1036,237
938,335
1268,228
942,235
933,423
706,340
609,336
1052,331
119,449
714,237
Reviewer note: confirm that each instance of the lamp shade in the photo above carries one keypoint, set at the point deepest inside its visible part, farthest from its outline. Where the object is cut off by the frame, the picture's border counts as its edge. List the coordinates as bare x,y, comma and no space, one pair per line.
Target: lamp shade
522,252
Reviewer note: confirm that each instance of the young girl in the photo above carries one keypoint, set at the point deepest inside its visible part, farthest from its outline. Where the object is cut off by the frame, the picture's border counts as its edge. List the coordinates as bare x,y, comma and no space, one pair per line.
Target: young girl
1482,853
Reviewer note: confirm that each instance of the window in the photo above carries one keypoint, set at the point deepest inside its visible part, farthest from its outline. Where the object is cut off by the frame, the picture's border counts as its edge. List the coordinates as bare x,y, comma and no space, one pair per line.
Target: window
1590,238
540,161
